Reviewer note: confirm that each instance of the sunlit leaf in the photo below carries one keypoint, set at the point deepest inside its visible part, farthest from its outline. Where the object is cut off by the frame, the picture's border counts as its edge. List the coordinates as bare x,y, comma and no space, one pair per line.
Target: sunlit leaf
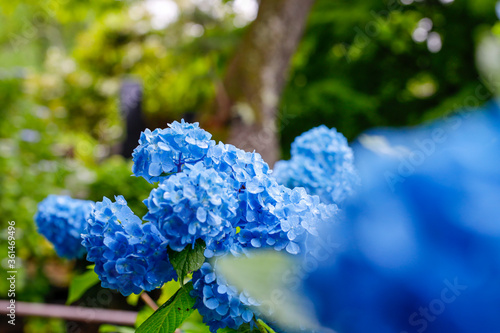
115,329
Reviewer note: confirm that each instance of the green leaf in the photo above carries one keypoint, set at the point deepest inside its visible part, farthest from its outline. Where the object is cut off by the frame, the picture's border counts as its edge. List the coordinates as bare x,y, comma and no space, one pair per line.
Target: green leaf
115,329
80,284
188,260
133,299
143,315
194,324
171,314
168,290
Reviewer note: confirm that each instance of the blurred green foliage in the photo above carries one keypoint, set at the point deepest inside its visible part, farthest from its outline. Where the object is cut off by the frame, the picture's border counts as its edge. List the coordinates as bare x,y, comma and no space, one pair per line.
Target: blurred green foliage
113,177
60,123
62,64
178,70
359,67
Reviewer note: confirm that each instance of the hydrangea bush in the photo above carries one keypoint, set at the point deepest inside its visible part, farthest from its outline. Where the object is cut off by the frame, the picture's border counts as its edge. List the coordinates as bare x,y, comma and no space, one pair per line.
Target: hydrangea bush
418,248
210,200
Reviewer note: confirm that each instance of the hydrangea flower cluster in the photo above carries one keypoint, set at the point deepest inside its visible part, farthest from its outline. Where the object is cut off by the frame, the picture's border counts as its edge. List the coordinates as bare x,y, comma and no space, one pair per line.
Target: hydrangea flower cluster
263,203
322,162
166,151
61,220
198,203
280,218
220,304
129,256
257,193
422,242
215,192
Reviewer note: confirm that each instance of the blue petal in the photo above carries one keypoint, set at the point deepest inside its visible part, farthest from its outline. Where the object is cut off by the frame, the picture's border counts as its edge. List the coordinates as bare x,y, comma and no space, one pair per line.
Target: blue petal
293,248
155,169
211,303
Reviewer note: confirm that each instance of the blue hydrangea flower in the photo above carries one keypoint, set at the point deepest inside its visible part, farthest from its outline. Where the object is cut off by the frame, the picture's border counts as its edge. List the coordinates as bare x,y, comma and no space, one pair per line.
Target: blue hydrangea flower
129,256
274,216
198,203
421,249
287,223
322,162
259,226
166,151
62,220
257,193
237,163
220,304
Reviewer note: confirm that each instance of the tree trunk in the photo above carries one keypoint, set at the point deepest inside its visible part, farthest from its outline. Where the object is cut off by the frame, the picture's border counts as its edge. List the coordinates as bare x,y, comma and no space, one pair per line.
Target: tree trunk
247,99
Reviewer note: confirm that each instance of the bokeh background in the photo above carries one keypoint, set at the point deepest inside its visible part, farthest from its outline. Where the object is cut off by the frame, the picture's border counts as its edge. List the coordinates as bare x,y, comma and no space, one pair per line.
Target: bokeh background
80,80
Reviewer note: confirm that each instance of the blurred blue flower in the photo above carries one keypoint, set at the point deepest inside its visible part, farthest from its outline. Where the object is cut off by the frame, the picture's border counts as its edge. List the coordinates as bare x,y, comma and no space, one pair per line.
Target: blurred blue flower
29,135
62,220
421,239
198,203
166,151
322,162
129,256
220,304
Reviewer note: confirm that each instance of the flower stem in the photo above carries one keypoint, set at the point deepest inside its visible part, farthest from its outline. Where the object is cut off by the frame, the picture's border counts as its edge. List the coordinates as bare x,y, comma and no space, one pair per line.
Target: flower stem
263,327
149,301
